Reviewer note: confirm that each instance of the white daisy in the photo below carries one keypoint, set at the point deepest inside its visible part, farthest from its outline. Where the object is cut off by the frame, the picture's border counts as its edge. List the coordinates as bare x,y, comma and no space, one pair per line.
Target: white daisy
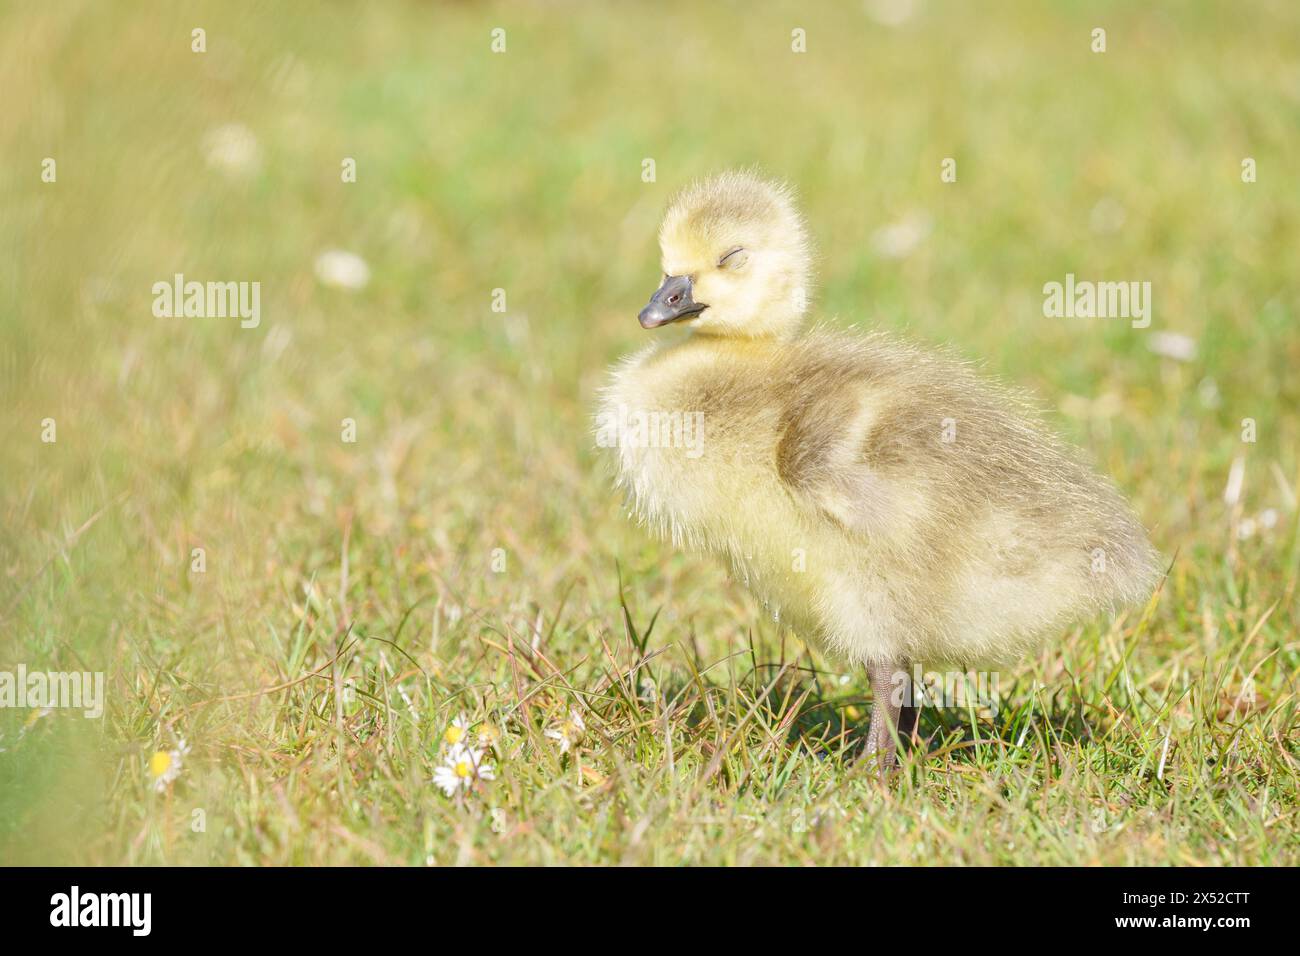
900,239
165,766
649,691
342,270
1107,217
891,13
567,732
461,767
232,148
455,734
489,735
1173,345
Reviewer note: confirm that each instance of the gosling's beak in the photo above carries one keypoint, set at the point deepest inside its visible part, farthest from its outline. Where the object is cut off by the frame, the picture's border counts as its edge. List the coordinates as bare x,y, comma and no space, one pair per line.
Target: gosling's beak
672,301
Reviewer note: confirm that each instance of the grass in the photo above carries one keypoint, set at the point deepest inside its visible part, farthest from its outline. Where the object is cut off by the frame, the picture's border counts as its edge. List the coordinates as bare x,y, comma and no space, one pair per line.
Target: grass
465,555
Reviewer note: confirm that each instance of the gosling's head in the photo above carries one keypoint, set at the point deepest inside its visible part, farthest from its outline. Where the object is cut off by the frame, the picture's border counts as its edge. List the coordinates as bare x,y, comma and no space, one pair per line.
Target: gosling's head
735,260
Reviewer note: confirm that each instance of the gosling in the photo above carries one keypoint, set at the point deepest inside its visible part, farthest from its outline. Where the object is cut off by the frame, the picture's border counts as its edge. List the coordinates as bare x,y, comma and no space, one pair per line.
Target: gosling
879,499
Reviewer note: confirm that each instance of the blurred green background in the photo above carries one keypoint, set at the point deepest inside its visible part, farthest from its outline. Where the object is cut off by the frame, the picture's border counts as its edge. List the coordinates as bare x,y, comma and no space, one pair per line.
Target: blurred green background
522,171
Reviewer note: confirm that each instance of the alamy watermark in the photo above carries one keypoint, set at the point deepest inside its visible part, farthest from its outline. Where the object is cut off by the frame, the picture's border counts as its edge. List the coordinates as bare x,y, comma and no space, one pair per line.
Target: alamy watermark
208,300
946,689
1085,299
75,908
78,690
624,428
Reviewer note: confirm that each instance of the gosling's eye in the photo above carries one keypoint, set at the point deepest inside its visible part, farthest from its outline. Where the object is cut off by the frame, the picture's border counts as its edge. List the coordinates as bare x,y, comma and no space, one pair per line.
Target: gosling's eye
734,259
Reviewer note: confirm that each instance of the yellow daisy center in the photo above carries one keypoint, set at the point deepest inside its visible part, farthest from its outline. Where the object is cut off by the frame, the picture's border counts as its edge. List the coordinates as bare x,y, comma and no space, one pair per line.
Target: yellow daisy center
159,763
454,734
463,768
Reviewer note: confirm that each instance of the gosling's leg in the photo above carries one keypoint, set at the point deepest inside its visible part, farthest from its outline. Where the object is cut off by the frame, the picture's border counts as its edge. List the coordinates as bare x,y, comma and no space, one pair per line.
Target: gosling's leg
893,714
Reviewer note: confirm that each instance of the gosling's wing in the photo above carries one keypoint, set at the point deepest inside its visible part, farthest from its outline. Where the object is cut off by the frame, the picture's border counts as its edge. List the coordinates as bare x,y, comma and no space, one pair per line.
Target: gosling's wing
862,434
880,432
914,449
834,461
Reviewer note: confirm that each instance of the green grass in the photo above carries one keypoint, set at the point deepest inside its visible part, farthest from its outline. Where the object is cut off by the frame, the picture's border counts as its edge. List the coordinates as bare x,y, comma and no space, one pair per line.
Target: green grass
353,583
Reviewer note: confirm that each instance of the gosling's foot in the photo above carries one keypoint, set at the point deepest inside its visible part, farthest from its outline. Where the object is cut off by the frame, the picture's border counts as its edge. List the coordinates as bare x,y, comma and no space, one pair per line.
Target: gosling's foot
893,716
